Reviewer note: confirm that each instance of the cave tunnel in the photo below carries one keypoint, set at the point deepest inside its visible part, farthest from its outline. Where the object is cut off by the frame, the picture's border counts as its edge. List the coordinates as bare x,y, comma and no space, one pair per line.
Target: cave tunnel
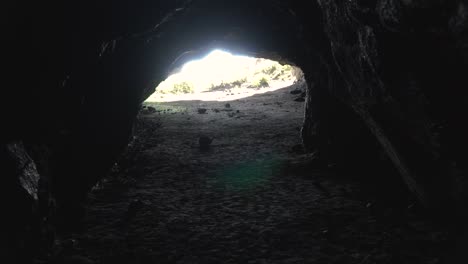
371,167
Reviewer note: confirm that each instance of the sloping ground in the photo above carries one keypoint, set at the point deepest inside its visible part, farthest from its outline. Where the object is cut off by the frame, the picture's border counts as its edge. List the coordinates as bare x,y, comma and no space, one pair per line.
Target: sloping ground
250,198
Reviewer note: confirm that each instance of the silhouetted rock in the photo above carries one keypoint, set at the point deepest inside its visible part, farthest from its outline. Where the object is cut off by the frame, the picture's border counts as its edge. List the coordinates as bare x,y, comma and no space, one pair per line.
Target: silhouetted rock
295,91
204,142
19,198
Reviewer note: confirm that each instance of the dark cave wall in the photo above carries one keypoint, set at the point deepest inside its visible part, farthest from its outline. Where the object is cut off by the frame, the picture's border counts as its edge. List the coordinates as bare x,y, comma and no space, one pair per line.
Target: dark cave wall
383,76
402,67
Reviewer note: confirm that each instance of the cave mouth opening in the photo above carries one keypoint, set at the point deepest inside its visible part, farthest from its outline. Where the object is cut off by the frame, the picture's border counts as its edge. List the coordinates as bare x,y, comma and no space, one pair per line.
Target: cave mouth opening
239,116
223,76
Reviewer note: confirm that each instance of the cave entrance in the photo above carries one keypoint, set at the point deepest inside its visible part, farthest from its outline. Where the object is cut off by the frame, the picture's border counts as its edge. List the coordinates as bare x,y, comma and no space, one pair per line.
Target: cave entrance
222,76
235,118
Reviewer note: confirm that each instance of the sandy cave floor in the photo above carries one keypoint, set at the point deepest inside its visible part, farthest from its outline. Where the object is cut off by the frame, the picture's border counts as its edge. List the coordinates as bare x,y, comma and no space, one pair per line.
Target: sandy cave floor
251,198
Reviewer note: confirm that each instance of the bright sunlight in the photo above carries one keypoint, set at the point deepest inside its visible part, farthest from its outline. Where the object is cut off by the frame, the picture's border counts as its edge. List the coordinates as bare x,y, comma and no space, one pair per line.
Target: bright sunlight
222,76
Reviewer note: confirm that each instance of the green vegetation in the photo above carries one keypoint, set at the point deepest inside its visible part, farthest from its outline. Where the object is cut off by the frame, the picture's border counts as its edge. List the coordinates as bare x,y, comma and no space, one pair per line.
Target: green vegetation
183,87
256,74
176,88
260,82
227,85
269,70
264,73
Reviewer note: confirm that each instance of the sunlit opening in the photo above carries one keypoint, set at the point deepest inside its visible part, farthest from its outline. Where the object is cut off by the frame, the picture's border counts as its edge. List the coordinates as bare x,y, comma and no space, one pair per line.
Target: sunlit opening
222,76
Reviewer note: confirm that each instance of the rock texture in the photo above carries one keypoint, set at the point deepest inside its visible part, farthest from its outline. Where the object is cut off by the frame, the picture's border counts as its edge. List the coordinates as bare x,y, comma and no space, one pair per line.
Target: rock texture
19,195
383,76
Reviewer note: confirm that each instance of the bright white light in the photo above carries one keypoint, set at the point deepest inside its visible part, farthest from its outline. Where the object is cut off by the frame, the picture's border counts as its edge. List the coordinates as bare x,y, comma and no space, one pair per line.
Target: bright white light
218,67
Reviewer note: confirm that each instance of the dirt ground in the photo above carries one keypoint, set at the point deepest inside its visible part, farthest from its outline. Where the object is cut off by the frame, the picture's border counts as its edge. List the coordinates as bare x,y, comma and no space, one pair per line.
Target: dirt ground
251,197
